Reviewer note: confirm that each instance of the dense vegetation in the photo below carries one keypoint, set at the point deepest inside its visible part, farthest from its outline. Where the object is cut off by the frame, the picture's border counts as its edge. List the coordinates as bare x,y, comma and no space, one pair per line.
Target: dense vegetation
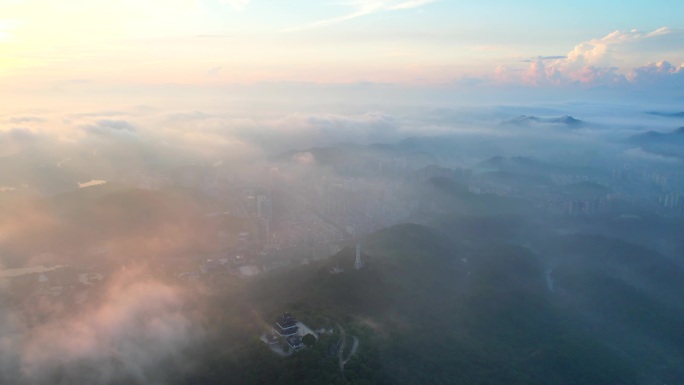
485,291
452,306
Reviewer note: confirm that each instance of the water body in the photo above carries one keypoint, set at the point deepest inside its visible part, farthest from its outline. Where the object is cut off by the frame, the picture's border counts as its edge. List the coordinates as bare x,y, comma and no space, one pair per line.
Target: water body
9,273
93,182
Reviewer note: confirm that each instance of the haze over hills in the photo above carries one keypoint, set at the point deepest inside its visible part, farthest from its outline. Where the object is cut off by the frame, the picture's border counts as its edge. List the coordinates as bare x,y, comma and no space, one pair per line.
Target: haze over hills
519,165
656,136
661,143
529,121
481,312
384,192
494,257
667,114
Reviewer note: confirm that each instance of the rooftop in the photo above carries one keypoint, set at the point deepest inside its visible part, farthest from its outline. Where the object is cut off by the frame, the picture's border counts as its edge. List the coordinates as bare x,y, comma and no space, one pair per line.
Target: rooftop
295,342
286,319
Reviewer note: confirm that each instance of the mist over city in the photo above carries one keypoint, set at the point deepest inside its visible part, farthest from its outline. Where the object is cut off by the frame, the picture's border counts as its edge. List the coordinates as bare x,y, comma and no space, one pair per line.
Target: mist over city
355,192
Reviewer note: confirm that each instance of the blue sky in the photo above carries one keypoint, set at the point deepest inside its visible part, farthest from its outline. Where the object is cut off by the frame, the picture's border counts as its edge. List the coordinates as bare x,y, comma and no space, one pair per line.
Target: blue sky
46,44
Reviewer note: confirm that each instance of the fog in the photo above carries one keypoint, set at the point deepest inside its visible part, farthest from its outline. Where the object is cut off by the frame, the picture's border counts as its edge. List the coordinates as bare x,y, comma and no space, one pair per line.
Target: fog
138,326
384,192
179,228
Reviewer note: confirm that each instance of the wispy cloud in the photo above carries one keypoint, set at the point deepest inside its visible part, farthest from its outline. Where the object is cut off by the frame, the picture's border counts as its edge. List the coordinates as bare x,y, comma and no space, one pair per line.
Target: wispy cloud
362,11
362,8
410,4
237,4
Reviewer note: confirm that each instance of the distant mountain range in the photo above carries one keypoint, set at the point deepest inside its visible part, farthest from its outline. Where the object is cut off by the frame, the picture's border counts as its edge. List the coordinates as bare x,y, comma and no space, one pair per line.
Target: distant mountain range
657,136
661,143
667,114
528,120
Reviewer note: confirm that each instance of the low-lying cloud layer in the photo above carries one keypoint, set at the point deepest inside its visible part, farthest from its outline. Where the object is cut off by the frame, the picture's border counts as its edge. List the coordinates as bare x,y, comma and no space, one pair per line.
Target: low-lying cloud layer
139,328
136,333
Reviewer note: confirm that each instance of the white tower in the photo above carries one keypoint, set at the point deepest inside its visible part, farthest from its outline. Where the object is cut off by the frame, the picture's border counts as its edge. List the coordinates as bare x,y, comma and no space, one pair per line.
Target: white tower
358,264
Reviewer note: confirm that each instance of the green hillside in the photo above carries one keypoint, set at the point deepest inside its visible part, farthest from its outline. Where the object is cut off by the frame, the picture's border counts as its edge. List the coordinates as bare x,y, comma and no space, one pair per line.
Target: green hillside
433,308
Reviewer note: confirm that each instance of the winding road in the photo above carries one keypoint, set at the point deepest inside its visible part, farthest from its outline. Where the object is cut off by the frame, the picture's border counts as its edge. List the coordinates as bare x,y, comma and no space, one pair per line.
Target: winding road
343,344
353,351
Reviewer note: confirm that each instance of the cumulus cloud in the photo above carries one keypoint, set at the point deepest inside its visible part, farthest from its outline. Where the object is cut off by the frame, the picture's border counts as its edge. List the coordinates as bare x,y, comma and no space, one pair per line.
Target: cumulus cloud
609,58
658,73
616,59
536,74
540,74
502,74
600,76
626,48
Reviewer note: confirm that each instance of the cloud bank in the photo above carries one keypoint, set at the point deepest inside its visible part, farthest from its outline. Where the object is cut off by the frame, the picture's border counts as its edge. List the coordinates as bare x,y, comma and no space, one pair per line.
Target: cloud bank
137,333
611,61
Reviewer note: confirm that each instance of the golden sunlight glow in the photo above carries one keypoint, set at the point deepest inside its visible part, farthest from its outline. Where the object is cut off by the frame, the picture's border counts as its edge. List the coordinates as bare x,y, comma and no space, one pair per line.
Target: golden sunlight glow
203,42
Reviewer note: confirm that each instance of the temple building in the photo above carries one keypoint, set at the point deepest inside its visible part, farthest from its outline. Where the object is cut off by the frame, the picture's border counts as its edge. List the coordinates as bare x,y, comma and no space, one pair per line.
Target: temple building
295,342
286,325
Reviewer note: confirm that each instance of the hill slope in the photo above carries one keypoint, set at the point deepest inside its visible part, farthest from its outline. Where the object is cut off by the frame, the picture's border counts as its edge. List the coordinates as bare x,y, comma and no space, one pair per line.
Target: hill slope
435,307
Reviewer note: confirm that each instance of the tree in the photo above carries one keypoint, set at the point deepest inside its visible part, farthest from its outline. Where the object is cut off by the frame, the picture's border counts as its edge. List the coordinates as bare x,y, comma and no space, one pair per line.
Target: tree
309,340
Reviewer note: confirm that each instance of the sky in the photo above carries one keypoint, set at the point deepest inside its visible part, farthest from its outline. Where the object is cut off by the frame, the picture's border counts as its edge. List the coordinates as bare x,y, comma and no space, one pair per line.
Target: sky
101,46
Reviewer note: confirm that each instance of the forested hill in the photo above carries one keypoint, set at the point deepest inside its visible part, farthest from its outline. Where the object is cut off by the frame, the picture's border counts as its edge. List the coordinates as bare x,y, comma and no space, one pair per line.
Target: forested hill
444,306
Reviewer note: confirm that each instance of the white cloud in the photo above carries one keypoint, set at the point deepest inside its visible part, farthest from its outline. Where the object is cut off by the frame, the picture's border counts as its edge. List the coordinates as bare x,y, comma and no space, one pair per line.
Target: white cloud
536,74
626,47
304,158
659,72
237,4
363,8
410,4
603,76
638,153
616,59
138,326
